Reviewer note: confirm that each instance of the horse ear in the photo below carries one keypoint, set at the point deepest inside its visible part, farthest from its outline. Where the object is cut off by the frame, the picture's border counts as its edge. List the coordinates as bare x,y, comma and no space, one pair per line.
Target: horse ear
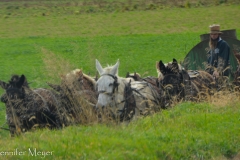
174,60
128,75
175,63
157,65
4,85
96,77
79,73
99,67
114,70
21,81
161,66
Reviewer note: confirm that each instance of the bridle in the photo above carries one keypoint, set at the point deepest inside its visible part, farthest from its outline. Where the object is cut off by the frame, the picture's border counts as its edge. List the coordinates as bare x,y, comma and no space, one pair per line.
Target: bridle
115,86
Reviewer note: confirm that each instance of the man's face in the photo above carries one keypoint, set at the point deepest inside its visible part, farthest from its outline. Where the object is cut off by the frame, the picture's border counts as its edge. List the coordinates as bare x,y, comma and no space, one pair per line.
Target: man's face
214,35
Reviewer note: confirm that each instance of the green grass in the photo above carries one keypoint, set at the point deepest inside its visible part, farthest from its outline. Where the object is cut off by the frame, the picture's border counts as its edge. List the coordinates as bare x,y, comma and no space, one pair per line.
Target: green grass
138,39
190,131
136,52
173,20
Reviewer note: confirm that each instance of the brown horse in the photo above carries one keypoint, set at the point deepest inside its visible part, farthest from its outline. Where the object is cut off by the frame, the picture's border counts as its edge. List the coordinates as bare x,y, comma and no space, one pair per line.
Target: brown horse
76,91
27,108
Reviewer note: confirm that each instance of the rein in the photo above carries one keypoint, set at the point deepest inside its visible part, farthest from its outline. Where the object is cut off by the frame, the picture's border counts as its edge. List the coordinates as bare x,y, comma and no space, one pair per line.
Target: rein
130,104
6,129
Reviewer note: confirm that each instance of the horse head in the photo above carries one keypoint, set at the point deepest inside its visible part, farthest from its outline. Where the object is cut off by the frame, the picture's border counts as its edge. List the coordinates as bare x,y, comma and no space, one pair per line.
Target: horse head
172,78
168,68
26,108
15,92
72,79
171,68
107,83
14,88
140,95
76,90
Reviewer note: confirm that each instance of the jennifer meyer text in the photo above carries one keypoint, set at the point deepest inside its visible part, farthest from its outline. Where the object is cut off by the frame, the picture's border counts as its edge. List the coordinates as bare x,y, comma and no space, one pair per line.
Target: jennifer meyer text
33,152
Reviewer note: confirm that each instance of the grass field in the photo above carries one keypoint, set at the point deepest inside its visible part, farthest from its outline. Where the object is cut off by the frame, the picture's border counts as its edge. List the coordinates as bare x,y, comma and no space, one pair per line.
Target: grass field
44,46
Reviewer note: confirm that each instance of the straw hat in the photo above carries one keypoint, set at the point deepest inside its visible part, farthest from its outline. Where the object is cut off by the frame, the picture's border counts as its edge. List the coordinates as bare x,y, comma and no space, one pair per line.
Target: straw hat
215,28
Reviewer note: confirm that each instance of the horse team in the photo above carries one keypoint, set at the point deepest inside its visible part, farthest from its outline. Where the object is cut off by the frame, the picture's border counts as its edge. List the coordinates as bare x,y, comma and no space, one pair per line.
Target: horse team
80,96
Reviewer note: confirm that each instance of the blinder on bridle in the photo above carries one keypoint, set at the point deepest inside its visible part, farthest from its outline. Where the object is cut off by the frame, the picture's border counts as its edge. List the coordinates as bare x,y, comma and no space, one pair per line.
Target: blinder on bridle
12,93
115,85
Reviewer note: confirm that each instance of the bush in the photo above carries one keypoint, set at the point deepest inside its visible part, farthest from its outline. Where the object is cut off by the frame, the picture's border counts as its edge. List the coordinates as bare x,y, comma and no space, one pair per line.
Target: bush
187,4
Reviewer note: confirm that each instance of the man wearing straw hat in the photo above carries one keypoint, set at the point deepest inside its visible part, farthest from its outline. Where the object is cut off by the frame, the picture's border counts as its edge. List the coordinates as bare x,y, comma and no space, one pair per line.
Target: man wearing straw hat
218,55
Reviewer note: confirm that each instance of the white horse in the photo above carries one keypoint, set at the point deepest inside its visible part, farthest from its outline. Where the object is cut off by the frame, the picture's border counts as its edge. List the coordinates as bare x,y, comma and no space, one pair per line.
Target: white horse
111,87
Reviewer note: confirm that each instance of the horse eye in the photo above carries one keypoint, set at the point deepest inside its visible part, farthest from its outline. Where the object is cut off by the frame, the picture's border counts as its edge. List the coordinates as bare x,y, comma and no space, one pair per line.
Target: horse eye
111,84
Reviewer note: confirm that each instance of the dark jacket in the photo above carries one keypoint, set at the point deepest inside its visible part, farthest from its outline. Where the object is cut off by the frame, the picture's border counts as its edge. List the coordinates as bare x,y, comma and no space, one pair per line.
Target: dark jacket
219,57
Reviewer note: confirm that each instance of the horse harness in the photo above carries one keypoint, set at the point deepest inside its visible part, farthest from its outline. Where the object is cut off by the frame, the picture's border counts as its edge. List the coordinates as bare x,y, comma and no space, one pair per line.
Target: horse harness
129,99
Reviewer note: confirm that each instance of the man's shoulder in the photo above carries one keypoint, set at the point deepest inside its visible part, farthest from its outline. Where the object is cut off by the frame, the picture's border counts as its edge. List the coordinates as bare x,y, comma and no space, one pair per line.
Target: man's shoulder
223,42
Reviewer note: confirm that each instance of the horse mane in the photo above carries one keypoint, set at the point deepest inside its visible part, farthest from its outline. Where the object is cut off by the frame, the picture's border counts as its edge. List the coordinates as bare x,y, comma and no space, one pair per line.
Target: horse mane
107,70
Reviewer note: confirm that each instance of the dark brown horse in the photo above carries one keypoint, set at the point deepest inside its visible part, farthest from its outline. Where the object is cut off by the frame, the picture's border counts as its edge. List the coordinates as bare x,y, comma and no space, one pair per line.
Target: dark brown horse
175,82
182,84
27,108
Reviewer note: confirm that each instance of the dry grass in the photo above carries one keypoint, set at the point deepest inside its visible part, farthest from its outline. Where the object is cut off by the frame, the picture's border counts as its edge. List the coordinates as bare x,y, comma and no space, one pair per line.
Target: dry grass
55,66
222,99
